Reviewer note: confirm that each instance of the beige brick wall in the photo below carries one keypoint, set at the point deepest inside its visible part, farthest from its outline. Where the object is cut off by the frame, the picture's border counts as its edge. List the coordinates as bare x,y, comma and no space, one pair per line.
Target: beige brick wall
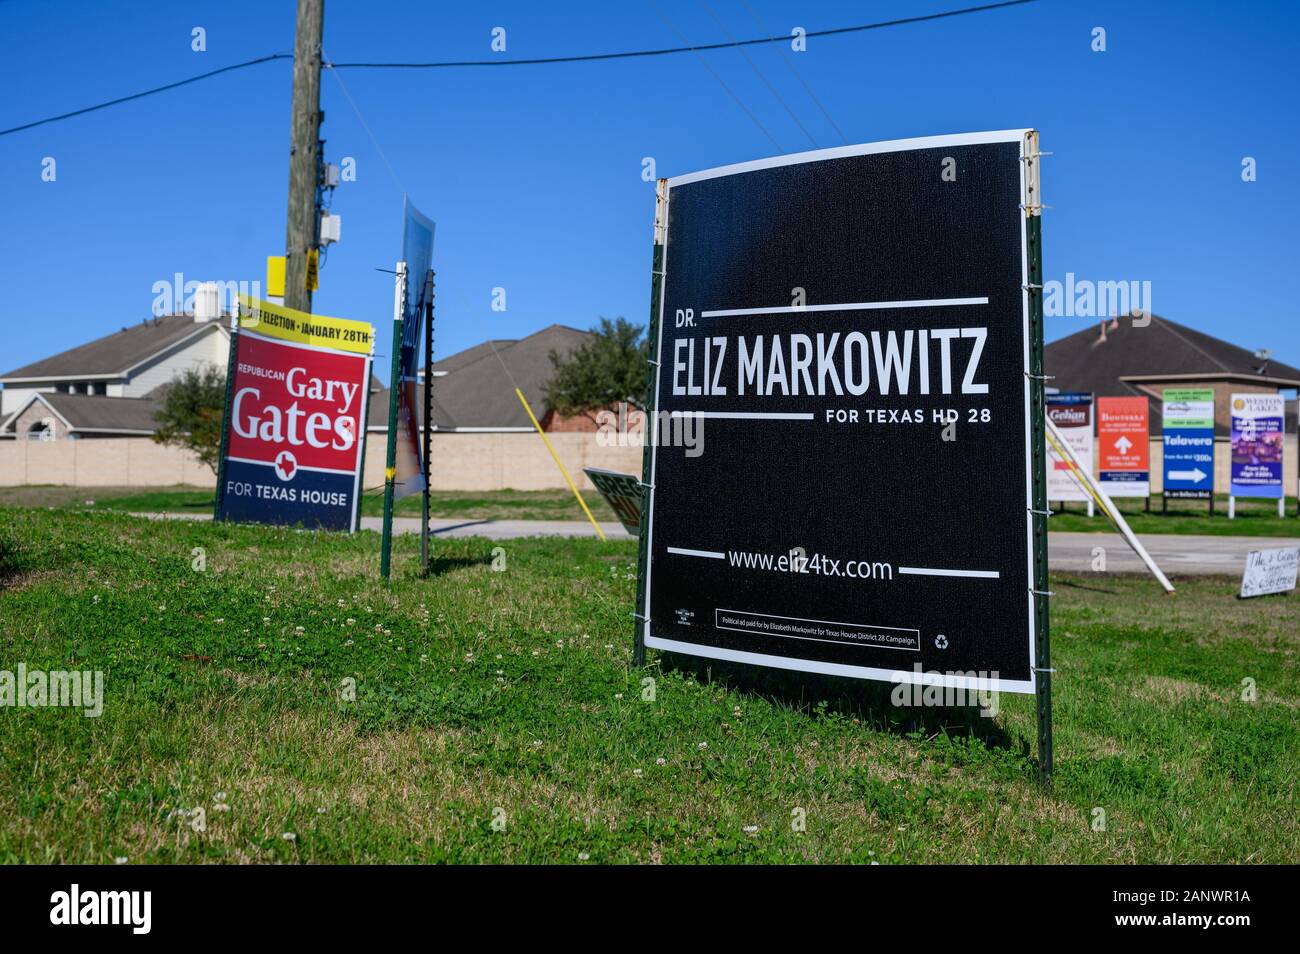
106,462
460,462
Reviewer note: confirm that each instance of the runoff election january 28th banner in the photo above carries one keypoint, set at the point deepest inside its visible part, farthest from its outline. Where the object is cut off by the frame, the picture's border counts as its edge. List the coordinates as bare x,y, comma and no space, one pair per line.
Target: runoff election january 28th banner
827,318
1257,433
296,418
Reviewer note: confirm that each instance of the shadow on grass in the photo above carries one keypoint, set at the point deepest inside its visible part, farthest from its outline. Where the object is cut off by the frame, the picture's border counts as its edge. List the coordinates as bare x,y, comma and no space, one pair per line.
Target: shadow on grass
871,702
1082,586
8,564
439,566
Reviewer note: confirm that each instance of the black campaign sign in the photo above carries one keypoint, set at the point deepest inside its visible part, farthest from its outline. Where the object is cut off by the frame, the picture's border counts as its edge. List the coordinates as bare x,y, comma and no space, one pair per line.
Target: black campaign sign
851,328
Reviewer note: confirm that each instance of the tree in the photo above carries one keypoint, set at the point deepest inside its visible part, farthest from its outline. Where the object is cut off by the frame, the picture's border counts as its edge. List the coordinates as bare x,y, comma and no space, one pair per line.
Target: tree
608,368
190,416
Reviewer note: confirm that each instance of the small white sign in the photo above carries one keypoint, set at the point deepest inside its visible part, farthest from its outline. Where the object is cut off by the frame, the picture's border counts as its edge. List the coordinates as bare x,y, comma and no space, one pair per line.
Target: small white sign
1270,571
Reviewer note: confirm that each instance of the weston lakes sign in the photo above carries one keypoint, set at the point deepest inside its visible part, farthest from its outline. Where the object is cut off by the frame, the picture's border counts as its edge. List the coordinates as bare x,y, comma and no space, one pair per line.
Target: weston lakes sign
853,328
297,392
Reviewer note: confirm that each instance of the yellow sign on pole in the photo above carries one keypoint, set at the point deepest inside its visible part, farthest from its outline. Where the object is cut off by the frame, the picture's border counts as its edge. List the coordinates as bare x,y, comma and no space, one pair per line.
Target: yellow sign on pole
311,281
275,276
288,324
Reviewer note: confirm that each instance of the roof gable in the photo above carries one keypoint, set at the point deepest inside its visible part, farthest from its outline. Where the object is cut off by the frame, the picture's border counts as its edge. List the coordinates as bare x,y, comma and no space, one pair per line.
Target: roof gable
477,386
116,353
1085,361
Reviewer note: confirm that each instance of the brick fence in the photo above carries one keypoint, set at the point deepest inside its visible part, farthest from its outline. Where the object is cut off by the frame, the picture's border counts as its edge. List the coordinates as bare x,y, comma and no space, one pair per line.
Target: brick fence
482,461
460,462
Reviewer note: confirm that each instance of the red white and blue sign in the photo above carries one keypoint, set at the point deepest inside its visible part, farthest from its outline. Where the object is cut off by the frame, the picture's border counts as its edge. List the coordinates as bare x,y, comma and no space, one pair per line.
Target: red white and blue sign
293,446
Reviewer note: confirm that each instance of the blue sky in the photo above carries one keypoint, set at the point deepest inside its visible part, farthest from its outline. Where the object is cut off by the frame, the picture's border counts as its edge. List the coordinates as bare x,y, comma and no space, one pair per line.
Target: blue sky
533,173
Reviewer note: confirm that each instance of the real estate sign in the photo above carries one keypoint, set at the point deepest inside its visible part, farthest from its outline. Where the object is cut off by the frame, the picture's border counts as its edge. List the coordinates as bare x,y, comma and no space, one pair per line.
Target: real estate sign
852,329
295,421
1071,412
1188,439
1257,440
1124,446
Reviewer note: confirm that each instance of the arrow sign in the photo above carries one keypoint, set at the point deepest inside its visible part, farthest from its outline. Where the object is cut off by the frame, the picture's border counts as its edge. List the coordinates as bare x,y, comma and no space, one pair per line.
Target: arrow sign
1196,475
1123,444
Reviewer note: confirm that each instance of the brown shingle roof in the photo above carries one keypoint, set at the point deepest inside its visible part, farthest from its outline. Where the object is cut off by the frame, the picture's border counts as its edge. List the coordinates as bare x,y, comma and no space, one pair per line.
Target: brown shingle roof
95,412
1084,362
114,353
478,392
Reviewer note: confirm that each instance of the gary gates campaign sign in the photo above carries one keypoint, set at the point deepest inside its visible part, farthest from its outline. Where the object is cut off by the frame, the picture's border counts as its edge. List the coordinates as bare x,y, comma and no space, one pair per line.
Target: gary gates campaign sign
852,329
297,399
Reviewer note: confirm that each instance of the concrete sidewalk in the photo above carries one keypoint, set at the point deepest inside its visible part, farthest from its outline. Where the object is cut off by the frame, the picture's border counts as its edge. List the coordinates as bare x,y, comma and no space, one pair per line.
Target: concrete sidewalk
1174,553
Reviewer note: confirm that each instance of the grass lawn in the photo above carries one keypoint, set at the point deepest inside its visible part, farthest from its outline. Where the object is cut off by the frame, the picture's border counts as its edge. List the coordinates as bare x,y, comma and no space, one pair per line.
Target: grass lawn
1255,518
454,504
482,694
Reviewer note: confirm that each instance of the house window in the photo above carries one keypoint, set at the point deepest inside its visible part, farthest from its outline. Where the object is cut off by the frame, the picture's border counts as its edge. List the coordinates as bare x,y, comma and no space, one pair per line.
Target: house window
42,430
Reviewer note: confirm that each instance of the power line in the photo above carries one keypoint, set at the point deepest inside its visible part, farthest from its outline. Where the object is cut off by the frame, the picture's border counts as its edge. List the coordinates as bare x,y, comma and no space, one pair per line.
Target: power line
148,92
588,58
759,73
797,75
366,126
705,63
591,57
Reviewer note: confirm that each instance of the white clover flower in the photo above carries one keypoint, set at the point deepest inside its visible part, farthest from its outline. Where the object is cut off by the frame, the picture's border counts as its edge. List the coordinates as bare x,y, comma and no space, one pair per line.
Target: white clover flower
121,860
661,761
583,856
289,836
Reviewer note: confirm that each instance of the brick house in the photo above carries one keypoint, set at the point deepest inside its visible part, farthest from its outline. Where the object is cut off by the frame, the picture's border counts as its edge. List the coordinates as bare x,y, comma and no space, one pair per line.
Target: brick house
1122,359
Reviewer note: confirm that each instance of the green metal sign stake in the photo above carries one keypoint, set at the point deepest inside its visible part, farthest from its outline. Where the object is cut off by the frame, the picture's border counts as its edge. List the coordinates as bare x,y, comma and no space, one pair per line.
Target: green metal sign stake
428,423
394,386
652,373
225,412
1039,513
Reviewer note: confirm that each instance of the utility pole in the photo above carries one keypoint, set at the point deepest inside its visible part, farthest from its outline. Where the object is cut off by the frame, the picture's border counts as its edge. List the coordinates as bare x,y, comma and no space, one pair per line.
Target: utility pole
304,153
